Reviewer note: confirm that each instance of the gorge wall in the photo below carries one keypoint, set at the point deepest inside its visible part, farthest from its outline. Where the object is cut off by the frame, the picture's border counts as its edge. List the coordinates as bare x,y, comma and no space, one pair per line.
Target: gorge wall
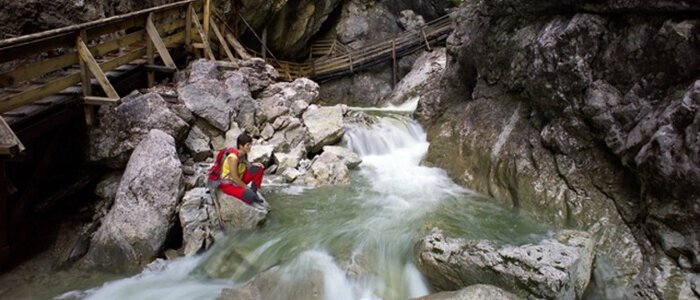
583,115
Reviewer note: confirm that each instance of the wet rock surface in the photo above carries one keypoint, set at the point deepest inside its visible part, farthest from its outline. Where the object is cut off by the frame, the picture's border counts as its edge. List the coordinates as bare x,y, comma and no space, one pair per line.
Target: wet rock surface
473,292
559,268
583,115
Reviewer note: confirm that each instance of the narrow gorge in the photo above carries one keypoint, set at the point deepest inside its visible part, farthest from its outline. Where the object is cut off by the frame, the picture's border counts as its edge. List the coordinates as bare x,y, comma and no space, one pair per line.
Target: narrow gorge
546,150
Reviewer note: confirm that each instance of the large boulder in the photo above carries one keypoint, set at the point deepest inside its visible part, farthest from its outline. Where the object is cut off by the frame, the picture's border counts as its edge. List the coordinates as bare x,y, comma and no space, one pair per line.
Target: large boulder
559,268
349,158
237,214
325,126
289,160
208,99
289,134
301,89
427,68
121,128
134,231
473,292
326,169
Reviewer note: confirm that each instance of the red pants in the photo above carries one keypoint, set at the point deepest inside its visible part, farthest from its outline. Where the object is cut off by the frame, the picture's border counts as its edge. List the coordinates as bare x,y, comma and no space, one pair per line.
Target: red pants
254,174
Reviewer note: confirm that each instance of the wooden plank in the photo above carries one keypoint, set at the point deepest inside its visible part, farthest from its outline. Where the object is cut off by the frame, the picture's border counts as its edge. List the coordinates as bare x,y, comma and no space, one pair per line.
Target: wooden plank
150,76
161,69
93,100
221,39
242,53
188,27
53,64
9,143
158,43
95,69
205,42
78,27
85,79
207,19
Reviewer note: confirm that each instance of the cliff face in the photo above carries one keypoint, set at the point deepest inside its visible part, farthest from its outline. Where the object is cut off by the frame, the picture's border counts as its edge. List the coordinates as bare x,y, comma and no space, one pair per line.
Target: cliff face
585,115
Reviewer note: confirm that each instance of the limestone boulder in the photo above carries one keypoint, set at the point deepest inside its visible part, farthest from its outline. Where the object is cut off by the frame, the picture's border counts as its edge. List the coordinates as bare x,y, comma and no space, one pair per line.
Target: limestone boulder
261,154
121,128
203,70
291,134
237,214
209,100
134,231
558,268
325,126
473,292
427,68
198,220
197,143
107,187
301,89
258,74
289,160
326,169
349,158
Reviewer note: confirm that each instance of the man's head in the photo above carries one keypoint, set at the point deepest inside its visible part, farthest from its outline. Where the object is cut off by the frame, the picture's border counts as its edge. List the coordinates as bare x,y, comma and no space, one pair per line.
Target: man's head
244,142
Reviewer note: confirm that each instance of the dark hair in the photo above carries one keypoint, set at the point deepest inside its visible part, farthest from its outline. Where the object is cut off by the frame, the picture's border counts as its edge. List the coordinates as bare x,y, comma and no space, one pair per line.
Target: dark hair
243,139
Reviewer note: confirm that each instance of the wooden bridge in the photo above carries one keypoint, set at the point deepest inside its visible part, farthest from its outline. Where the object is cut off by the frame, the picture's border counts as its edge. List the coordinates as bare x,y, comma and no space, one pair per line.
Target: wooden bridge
80,67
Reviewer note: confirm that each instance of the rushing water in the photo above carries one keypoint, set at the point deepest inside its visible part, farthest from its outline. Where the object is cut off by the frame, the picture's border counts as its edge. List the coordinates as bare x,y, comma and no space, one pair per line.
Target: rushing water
348,242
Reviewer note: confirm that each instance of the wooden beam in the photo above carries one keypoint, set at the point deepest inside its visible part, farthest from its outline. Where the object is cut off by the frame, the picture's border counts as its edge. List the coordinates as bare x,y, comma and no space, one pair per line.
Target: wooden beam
263,41
188,27
425,39
221,39
9,143
85,79
207,19
205,41
95,69
240,50
93,100
150,76
161,69
158,42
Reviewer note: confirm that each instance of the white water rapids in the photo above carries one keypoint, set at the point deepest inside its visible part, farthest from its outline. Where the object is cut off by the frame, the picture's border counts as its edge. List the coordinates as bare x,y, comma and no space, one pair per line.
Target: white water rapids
352,242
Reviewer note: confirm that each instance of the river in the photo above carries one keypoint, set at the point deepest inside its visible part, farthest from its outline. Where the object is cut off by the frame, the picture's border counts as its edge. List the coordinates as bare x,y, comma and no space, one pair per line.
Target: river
340,242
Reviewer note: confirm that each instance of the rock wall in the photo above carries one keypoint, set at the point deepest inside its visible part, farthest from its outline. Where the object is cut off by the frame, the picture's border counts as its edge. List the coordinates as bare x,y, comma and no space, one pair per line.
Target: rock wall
584,115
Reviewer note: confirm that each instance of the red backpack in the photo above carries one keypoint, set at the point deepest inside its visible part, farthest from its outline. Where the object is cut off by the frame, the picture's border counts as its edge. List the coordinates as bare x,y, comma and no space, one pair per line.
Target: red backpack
215,170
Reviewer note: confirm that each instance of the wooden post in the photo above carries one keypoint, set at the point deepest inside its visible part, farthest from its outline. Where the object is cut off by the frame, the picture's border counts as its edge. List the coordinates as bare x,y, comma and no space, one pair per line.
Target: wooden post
427,44
150,75
393,57
95,69
85,80
155,39
200,31
4,242
188,28
264,43
222,40
207,16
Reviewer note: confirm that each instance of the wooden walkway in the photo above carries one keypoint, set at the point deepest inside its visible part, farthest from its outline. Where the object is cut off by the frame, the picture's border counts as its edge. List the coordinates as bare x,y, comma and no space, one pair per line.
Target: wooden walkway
339,60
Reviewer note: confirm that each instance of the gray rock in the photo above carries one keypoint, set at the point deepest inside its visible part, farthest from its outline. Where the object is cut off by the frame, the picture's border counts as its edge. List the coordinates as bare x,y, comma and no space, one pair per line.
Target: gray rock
473,292
197,143
232,136
198,220
258,74
326,169
267,132
246,116
121,128
290,35
325,127
203,70
291,174
208,100
289,136
548,270
410,21
289,159
298,107
349,158
107,186
427,68
237,214
134,231
261,154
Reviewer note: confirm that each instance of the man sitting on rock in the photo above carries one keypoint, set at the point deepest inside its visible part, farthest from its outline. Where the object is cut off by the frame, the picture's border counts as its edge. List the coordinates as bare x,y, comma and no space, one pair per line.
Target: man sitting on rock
237,173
